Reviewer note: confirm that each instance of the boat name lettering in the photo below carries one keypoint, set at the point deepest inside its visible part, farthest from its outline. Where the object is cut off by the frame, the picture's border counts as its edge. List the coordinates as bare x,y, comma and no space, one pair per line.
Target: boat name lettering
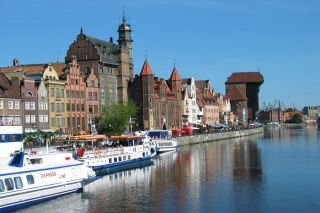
49,174
62,176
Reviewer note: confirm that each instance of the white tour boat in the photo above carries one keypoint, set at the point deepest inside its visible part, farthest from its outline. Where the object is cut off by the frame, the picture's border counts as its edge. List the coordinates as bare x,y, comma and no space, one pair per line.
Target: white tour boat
163,140
110,154
29,178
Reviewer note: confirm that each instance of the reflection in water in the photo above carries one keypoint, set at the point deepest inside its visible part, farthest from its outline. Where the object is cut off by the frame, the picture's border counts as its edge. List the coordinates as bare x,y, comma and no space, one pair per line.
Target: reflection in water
275,171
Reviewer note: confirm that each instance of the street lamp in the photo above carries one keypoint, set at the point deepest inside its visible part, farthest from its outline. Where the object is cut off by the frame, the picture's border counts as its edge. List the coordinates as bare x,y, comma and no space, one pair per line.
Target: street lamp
78,127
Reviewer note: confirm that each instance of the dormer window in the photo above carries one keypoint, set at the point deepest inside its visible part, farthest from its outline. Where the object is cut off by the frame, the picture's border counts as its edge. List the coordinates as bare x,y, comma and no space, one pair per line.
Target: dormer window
50,69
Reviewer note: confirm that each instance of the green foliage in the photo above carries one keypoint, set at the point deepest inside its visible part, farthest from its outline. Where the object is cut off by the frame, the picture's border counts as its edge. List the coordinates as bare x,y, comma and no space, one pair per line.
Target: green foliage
266,121
289,110
115,118
297,118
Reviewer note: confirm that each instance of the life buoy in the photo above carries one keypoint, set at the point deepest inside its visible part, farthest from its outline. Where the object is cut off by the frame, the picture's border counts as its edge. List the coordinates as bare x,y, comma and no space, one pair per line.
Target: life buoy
122,150
99,153
95,154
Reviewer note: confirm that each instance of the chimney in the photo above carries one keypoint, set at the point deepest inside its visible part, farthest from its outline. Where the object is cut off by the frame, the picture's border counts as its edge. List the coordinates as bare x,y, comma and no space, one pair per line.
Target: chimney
15,83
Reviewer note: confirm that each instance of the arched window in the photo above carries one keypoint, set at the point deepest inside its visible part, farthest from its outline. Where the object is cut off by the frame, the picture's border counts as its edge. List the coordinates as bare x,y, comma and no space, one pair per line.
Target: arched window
29,94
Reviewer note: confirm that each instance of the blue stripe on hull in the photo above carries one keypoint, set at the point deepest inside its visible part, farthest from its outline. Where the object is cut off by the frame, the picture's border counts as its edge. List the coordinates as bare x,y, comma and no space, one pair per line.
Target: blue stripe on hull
124,165
29,202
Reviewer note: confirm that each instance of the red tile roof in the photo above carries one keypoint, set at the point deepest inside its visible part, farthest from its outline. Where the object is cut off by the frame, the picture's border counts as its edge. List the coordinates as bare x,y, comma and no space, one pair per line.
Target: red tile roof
242,77
235,94
32,69
175,75
146,69
6,90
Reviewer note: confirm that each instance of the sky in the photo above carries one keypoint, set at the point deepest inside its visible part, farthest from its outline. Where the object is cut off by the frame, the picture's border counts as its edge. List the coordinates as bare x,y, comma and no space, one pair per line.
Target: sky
206,39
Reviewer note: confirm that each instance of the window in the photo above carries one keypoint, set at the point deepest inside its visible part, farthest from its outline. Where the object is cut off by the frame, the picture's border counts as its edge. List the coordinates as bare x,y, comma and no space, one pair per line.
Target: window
18,182
16,104
92,83
89,95
40,105
32,105
67,93
45,118
33,118
1,107
77,81
90,108
27,119
101,83
68,107
72,81
95,96
62,93
100,70
78,107
45,106
87,55
51,92
102,95
26,105
95,108
82,94
62,107
77,94
72,94
29,94
58,121
52,107
58,107
43,93
10,104
62,121
52,121
41,118
1,186
30,179
73,107
82,107
58,92
9,184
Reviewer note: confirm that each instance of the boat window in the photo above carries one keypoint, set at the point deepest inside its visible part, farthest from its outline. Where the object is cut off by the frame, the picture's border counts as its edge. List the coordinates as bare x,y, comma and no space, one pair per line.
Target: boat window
114,159
74,172
3,138
143,154
110,160
1,186
30,179
124,157
18,182
119,159
129,157
9,184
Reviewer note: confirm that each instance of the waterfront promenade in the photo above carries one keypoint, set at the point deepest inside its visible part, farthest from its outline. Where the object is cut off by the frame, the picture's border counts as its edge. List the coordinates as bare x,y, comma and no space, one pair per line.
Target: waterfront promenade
201,138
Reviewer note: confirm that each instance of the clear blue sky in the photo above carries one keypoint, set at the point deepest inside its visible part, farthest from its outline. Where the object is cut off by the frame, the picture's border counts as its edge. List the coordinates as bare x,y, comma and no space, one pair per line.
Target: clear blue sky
208,39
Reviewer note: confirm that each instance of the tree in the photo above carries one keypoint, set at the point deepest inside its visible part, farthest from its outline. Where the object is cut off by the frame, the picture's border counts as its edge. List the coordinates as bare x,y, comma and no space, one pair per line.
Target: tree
115,118
297,118
289,110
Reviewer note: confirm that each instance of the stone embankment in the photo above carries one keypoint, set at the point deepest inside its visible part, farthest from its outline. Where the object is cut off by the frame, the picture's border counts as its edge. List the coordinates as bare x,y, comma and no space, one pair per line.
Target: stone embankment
201,138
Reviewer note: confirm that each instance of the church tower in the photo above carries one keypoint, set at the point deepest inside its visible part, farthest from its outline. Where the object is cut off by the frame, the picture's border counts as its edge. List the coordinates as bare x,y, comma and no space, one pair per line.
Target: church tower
125,43
175,85
148,102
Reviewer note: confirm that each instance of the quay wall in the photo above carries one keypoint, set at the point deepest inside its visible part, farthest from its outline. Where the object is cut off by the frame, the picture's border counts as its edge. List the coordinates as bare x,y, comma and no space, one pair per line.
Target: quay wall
201,138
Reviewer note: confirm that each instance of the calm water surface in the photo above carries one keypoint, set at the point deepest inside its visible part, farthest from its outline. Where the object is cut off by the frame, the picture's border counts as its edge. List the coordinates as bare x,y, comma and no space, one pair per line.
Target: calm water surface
276,171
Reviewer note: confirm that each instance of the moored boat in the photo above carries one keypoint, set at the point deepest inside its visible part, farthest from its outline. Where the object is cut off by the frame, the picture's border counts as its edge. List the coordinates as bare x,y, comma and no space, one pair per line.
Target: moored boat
110,154
29,178
163,140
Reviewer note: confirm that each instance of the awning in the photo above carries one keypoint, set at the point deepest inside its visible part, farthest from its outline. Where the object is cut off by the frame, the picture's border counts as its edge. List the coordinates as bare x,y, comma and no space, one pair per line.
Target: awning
46,130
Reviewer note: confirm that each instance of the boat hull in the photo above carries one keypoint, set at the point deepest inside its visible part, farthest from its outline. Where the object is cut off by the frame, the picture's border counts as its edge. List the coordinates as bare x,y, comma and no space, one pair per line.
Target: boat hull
33,196
123,165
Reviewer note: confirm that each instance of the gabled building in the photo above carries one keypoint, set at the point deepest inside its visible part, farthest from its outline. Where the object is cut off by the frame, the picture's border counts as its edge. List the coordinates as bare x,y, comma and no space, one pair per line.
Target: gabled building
10,100
75,87
159,99
112,63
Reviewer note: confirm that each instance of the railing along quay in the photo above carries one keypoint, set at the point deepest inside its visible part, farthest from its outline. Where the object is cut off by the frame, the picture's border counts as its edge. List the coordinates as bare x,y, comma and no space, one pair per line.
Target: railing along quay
208,137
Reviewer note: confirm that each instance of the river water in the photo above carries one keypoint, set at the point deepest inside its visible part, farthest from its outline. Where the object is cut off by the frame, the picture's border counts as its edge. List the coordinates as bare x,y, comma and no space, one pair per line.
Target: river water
275,171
